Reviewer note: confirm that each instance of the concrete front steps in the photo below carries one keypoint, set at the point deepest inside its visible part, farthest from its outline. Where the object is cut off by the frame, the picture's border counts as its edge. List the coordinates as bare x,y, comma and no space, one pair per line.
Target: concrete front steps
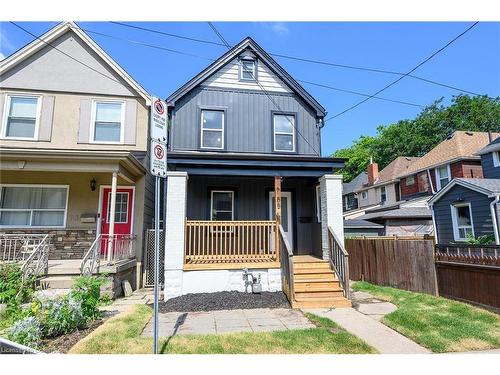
316,285
61,274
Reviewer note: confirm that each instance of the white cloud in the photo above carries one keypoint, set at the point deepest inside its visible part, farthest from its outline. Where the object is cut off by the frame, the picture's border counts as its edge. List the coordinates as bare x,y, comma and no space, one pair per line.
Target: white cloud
280,28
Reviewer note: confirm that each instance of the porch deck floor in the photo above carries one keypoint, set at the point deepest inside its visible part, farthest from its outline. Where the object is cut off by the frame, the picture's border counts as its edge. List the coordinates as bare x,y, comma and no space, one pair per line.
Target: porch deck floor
230,263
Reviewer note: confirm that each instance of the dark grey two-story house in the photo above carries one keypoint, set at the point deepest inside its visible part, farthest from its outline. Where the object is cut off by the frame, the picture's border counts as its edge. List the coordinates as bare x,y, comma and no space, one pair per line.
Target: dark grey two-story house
251,203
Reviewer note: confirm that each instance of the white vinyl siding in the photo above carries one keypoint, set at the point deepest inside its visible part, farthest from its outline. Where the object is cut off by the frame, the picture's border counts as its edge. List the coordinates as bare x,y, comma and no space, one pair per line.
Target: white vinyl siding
229,77
212,129
443,176
25,206
21,117
284,132
107,125
461,215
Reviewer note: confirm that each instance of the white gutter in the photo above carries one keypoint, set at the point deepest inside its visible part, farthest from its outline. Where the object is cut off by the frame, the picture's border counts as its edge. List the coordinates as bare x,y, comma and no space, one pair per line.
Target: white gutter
494,218
430,181
431,206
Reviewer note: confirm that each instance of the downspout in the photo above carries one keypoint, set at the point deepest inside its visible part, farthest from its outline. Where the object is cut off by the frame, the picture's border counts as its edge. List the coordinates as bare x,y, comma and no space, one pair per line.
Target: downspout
430,181
434,224
494,218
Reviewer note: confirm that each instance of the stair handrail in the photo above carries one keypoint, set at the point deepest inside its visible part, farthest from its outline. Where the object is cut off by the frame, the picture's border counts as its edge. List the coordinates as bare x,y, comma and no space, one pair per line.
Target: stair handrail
286,265
92,258
339,260
37,262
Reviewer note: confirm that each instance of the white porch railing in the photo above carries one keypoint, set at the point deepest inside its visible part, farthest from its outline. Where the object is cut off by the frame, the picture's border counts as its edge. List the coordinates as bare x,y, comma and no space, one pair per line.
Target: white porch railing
109,250
30,250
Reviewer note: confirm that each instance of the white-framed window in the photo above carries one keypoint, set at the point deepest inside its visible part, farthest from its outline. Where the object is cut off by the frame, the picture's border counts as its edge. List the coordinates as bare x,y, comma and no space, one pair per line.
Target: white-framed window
212,129
108,119
443,176
496,158
26,206
461,217
21,117
318,203
410,180
383,194
364,195
222,205
248,70
121,207
284,132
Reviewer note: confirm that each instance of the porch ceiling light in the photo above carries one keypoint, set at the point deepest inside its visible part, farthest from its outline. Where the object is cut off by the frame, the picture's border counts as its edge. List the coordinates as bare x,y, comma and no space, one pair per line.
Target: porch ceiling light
93,184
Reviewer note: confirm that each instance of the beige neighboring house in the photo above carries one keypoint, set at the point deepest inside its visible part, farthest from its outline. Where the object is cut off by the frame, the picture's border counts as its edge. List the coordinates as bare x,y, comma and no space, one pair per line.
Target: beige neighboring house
74,131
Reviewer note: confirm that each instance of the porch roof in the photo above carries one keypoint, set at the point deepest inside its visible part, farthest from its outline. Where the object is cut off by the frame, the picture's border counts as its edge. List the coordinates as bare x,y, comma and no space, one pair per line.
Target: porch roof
264,165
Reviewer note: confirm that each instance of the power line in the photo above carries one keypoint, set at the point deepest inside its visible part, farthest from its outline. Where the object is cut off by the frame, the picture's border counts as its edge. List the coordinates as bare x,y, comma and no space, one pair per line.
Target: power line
406,74
262,88
306,60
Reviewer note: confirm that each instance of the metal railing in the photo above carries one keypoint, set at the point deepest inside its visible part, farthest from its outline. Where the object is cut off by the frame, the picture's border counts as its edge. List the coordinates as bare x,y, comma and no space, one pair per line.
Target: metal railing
286,266
109,250
230,240
30,250
339,260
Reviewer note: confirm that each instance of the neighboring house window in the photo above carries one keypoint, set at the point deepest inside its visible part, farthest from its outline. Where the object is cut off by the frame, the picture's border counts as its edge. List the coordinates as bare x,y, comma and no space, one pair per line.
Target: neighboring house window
364,194
318,204
410,180
222,205
462,221
496,158
284,132
248,70
383,194
212,129
33,206
22,117
108,122
442,176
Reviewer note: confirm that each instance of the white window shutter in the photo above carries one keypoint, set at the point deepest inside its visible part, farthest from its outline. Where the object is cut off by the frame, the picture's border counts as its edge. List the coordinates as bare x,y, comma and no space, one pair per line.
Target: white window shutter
130,126
46,118
85,116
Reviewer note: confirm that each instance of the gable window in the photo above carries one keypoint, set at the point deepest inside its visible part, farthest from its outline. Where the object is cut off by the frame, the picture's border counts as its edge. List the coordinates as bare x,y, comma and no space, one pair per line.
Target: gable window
462,221
410,180
284,132
24,206
212,129
383,194
442,176
496,158
318,204
222,205
22,117
248,70
108,119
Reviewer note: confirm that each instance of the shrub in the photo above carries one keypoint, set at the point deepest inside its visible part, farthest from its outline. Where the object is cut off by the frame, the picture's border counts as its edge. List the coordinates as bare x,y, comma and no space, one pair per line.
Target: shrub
487,239
60,315
87,290
10,282
26,331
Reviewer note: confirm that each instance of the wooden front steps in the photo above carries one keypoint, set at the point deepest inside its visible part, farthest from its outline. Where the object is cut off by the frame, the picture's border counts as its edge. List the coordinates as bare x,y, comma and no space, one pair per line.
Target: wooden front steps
316,285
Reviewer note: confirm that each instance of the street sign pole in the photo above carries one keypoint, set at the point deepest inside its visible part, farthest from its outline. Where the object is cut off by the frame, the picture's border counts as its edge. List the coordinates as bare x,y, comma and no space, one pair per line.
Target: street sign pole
158,168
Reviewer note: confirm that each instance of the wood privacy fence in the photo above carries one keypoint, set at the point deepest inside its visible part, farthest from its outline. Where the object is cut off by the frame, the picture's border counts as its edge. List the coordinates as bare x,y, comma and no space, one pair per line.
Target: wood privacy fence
402,263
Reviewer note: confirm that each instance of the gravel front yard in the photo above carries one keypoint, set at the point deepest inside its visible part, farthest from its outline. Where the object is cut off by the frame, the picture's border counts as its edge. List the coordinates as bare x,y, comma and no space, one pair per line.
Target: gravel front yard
225,301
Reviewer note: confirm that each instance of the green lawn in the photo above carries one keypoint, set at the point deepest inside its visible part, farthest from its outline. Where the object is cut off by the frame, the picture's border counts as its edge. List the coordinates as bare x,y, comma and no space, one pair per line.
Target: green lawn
440,324
121,335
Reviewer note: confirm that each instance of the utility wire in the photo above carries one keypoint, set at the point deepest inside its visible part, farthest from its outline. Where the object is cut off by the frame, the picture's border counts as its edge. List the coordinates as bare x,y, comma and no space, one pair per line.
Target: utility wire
406,74
302,59
263,89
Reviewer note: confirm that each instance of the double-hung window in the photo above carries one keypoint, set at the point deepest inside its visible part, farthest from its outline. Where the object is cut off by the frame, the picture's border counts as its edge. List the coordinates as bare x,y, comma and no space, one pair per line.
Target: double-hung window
108,119
222,205
21,118
462,221
442,176
212,129
284,132
248,71
26,206
383,194
496,158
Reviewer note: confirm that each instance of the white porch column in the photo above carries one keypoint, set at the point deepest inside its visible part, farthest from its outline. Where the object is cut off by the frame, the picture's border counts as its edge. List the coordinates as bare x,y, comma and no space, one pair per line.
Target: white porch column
175,233
331,209
112,207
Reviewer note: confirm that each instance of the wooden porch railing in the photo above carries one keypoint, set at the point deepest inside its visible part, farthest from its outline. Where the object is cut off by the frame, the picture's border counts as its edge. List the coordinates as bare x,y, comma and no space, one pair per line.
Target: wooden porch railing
286,266
339,260
234,241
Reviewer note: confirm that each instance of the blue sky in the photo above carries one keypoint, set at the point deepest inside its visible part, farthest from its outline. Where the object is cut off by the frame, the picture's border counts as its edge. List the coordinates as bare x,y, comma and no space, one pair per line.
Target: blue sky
471,63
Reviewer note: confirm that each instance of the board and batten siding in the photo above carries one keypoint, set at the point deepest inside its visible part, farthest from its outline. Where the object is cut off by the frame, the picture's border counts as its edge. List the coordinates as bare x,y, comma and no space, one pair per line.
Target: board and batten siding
489,169
480,207
248,120
228,77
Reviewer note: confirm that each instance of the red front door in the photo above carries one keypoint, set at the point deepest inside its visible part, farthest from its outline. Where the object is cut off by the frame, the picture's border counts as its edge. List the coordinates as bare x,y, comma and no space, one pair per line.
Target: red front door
123,210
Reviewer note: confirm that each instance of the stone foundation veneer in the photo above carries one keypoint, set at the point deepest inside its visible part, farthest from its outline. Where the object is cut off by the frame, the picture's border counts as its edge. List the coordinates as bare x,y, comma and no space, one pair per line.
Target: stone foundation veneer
65,243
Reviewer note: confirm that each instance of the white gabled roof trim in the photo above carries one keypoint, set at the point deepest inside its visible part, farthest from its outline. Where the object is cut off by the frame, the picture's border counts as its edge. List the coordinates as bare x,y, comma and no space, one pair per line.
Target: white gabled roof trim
461,183
54,33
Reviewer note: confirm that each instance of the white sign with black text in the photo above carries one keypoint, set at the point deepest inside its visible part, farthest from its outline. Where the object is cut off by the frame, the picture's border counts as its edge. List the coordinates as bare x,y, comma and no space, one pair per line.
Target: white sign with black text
158,123
158,165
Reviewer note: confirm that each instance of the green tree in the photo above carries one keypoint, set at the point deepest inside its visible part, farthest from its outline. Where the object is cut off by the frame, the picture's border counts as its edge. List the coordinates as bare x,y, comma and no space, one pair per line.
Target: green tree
415,137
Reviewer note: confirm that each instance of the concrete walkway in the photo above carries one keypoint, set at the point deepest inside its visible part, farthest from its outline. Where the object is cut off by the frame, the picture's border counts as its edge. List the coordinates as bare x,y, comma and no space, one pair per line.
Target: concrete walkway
228,321
138,297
